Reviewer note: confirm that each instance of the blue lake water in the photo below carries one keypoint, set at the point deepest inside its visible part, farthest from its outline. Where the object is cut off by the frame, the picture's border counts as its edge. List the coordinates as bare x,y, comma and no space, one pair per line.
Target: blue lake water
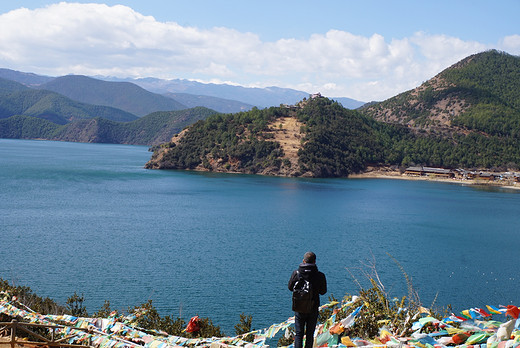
89,218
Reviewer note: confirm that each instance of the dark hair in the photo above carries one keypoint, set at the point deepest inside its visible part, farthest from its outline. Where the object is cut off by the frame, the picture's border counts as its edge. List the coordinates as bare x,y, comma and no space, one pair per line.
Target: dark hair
309,257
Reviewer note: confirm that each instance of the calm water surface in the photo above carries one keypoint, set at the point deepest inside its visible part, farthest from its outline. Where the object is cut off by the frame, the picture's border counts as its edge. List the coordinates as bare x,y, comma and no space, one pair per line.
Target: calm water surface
89,218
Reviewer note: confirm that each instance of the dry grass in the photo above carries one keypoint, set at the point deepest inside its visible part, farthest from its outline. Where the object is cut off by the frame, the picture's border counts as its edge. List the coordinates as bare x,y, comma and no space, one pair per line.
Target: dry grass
286,131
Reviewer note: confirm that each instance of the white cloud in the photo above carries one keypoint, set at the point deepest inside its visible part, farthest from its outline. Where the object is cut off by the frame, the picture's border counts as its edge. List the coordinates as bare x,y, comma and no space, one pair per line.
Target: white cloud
96,39
511,44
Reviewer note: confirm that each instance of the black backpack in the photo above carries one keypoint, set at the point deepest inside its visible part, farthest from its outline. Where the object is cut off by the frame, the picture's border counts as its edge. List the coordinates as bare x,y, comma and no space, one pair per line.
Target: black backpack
303,296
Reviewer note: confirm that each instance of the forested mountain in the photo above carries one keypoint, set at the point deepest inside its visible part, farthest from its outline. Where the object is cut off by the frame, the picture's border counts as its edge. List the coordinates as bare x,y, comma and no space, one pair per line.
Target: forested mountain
8,86
152,129
28,79
29,113
481,93
121,95
330,141
16,99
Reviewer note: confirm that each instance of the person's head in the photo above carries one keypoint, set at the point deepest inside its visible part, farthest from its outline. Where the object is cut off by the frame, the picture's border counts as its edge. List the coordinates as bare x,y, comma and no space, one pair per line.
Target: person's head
309,257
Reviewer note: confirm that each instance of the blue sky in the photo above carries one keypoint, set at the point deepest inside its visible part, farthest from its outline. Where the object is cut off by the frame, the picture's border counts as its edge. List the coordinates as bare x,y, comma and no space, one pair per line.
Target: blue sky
367,50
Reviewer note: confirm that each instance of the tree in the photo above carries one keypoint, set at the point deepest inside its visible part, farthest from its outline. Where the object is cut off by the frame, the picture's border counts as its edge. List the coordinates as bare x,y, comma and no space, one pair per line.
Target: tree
244,326
75,305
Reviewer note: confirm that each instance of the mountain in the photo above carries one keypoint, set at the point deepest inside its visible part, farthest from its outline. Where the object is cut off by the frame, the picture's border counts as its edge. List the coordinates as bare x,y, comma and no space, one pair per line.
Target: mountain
16,99
121,95
481,93
28,79
349,103
320,138
468,116
153,129
218,104
189,93
316,138
259,97
27,127
8,86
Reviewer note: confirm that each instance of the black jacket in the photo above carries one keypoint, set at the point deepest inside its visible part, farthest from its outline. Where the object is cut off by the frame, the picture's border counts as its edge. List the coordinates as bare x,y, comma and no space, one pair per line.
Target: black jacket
310,272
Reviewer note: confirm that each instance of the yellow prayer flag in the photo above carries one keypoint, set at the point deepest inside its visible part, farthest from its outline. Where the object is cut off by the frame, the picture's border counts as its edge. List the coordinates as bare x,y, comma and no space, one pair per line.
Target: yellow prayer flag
347,341
424,310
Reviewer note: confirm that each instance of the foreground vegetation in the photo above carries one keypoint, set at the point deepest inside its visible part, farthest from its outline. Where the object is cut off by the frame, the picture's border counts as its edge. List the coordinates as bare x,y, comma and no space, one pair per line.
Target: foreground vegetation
149,318
379,310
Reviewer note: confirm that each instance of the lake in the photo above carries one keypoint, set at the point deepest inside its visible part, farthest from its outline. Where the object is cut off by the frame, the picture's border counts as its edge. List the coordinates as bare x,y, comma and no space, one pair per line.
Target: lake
89,218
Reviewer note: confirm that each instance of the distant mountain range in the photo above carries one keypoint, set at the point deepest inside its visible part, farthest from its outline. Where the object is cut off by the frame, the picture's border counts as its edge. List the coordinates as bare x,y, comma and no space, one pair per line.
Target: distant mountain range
92,109
218,104
124,93
260,97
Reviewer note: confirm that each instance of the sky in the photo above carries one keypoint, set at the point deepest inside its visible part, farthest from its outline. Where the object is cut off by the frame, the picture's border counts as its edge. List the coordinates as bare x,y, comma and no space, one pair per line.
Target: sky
366,49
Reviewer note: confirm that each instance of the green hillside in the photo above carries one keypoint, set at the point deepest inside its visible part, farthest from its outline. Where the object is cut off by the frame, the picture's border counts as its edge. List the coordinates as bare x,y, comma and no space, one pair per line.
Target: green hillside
468,116
153,129
149,130
492,84
55,107
481,93
121,95
27,127
7,87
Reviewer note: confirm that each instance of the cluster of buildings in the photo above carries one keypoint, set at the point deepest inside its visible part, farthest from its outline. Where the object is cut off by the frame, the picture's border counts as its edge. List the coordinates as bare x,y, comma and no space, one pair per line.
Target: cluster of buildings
462,174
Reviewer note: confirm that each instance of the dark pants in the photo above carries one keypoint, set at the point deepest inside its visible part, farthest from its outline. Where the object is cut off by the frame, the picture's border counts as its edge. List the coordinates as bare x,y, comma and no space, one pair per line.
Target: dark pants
304,324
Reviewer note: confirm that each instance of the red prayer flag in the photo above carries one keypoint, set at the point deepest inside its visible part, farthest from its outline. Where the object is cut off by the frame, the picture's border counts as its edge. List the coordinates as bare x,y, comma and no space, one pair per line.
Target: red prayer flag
193,324
513,311
482,312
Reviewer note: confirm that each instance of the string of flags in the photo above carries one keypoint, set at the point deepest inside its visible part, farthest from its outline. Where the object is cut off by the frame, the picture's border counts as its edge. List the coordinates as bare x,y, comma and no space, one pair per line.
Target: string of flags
472,328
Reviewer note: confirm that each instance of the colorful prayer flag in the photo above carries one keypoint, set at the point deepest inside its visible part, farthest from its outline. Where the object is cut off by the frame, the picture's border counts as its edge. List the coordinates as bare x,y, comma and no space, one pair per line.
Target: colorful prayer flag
495,310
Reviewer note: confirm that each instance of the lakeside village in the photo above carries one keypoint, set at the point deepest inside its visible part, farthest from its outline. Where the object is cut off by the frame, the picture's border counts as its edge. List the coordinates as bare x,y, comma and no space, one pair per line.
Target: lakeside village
498,178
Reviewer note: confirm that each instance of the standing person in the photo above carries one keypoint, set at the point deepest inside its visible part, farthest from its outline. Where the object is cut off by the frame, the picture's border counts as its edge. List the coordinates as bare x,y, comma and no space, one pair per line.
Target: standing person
306,317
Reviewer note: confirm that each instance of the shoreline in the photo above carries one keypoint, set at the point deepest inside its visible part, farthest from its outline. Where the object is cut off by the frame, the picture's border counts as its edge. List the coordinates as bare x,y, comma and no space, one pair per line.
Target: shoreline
396,175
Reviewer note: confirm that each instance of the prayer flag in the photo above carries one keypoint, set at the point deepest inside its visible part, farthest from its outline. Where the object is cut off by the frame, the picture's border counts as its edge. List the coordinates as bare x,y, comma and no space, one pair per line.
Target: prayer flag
467,314
494,309
452,319
482,312
459,318
513,311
